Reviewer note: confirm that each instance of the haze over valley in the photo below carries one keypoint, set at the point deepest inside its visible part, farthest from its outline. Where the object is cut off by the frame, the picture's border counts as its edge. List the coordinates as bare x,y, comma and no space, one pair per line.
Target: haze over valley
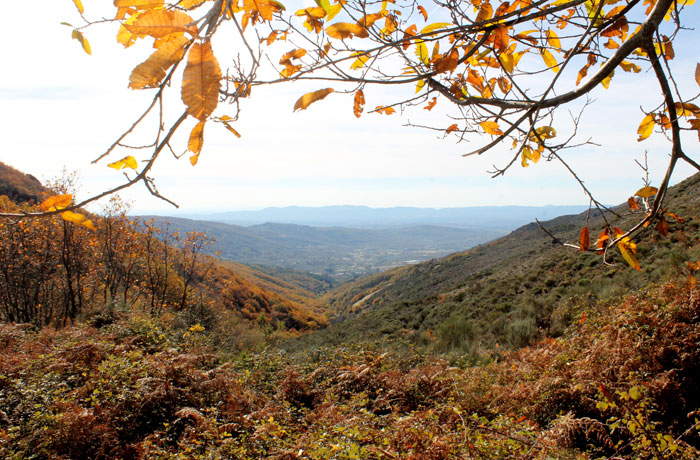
345,242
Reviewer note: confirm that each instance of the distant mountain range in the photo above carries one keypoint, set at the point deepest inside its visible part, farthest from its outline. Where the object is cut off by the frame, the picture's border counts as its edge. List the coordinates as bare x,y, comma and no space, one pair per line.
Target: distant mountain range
500,218
336,252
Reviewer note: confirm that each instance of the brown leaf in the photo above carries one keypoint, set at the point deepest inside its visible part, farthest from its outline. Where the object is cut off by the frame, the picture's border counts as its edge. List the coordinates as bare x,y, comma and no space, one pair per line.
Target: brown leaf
201,81
662,226
309,98
632,203
358,103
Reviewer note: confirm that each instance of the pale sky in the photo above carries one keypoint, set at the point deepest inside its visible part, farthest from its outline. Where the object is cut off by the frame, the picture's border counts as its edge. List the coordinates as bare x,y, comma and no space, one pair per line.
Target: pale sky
63,108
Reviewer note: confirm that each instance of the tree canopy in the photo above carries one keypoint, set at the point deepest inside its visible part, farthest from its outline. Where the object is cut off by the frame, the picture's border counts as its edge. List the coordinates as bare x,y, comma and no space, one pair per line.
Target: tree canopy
505,69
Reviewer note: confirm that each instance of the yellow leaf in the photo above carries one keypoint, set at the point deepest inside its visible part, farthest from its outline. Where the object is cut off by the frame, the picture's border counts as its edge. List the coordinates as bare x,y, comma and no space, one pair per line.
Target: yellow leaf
159,23
79,5
422,52
126,162
334,10
419,86
628,249
543,132
606,80
196,141
201,81
646,192
78,35
549,60
150,73
491,127
55,202
435,26
343,30
78,219
630,67
359,62
309,98
194,159
553,39
646,127
124,36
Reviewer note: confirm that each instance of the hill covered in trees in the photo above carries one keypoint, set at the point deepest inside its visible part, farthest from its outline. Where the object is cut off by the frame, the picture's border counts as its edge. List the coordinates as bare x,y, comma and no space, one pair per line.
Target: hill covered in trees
510,291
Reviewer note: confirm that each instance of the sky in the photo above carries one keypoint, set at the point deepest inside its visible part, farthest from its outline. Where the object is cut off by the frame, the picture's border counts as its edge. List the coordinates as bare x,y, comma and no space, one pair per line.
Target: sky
62,108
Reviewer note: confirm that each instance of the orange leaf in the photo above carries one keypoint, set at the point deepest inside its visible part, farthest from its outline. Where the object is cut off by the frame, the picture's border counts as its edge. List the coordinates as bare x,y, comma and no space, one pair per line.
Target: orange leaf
697,74
662,226
138,4
584,239
343,30
410,32
430,105
491,127
196,138
385,110
194,159
201,81
358,103
309,98
150,73
265,8
55,202
453,127
158,23
423,12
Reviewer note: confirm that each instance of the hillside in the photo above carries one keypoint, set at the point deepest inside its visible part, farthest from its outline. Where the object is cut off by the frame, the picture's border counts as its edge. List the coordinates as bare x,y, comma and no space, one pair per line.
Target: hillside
338,253
621,384
20,187
510,290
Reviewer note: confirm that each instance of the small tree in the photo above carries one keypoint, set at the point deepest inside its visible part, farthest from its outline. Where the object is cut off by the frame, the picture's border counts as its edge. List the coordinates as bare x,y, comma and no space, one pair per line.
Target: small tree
500,65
